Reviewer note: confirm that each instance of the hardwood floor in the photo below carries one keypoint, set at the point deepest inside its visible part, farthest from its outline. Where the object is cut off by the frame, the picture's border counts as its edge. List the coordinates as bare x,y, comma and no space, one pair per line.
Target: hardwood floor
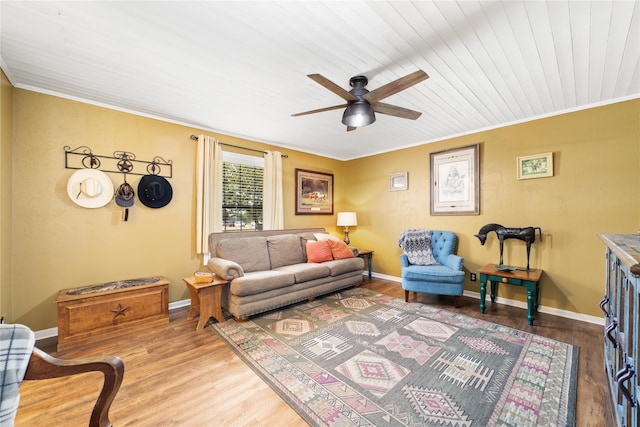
177,376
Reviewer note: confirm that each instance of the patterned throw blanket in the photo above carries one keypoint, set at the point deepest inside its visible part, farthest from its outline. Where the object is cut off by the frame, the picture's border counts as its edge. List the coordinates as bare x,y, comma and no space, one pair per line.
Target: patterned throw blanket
416,244
16,345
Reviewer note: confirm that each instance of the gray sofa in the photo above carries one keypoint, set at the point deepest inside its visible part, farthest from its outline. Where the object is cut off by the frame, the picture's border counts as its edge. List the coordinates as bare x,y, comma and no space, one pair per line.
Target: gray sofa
269,269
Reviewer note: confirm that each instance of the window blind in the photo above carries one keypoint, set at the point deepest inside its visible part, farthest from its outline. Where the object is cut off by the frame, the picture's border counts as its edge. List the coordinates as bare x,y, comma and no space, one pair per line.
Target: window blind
242,185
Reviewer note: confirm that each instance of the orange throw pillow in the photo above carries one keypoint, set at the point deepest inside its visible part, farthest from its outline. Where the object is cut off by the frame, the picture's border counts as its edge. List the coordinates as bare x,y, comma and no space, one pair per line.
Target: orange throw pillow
340,250
318,251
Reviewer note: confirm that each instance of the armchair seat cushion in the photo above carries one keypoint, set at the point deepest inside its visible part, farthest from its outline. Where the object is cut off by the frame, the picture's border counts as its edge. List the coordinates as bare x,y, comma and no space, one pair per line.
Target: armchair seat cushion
432,273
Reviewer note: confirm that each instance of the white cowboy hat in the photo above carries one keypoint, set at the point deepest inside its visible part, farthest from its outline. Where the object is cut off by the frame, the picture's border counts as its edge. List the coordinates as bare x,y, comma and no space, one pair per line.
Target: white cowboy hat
90,188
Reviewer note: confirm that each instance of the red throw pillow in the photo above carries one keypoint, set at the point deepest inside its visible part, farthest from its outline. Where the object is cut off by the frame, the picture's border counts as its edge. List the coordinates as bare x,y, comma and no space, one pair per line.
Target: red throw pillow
340,250
318,251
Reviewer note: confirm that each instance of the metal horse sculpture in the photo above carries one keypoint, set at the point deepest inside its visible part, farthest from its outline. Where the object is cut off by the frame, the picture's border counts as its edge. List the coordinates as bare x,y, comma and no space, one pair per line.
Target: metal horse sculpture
527,234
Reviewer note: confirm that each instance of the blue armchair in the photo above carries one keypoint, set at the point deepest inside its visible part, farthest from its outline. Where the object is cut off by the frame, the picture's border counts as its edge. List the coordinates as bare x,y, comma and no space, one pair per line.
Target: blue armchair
443,278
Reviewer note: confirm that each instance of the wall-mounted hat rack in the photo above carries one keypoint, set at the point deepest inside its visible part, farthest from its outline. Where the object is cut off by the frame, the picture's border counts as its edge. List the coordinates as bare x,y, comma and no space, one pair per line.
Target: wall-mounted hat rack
121,162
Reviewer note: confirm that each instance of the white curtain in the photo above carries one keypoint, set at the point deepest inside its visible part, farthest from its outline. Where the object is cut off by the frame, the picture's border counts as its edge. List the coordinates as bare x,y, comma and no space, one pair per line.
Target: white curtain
272,203
208,191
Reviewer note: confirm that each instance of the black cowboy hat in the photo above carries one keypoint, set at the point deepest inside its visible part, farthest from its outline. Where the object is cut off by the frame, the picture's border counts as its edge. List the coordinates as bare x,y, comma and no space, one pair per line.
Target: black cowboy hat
154,191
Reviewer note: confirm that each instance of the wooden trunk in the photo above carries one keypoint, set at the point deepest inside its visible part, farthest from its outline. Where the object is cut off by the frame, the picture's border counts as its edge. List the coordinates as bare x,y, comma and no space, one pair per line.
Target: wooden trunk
85,318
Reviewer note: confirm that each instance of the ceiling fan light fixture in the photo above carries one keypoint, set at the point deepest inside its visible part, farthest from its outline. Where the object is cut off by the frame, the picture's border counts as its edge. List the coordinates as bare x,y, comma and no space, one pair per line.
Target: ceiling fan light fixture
358,114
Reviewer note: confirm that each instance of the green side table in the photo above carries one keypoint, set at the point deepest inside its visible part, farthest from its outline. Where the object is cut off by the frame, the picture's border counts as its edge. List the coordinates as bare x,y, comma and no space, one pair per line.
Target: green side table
529,279
366,255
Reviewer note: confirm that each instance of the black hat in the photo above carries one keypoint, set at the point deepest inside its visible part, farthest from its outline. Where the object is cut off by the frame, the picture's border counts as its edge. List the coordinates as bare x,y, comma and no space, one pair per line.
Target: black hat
154,191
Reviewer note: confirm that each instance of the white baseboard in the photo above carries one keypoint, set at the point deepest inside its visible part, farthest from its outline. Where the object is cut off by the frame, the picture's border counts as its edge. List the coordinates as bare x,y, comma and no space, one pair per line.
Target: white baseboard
179,304
520,304
46,333
53,332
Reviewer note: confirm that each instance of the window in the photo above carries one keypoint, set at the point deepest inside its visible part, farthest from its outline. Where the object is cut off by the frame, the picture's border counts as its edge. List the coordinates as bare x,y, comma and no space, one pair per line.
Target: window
242,179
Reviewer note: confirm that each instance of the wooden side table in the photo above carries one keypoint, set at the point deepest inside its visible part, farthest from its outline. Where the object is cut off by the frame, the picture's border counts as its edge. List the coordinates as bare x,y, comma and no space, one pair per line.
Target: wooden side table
206,299
529,279
367,255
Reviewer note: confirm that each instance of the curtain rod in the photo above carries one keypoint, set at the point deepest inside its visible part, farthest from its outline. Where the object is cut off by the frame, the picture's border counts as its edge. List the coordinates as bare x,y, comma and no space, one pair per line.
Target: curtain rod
284,156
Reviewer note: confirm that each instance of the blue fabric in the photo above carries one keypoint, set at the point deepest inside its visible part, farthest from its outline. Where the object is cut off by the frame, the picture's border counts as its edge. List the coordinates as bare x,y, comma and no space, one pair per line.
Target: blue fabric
447,278
16,345
432,272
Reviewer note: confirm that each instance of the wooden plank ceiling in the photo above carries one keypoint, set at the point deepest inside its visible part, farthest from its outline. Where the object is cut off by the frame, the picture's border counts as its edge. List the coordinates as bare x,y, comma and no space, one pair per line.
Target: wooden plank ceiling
240,67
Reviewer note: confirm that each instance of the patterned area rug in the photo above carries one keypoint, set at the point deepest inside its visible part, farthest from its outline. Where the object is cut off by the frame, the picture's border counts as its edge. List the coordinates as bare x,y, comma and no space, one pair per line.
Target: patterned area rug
359,358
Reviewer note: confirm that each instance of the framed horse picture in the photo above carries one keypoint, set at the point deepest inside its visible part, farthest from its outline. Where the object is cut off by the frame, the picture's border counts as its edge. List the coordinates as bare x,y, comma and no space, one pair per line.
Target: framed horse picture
455,181
314,193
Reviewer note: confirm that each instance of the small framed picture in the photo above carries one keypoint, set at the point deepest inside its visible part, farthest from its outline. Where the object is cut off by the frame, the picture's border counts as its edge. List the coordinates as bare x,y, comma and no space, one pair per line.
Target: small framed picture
398,181
535,166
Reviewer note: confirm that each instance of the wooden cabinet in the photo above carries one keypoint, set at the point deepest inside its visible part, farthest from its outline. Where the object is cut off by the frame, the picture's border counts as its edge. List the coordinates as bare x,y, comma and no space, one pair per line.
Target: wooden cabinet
94,313
620,306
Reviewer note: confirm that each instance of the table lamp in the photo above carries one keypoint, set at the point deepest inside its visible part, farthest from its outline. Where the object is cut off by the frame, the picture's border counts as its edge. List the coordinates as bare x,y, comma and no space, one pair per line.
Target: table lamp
346,219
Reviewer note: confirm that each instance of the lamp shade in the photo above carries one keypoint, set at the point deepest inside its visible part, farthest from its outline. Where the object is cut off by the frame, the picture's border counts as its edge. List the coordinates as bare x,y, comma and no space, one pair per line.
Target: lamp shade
346,219
358,114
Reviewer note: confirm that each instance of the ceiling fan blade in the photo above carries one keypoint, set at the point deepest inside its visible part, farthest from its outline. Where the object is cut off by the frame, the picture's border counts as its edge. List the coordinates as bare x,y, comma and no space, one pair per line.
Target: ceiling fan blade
394,110
328,84
350,128
320,110
396,86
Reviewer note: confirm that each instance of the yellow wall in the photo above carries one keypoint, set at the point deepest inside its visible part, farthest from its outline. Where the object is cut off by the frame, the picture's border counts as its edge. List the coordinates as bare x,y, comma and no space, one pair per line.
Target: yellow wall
595,189
58,244
6,138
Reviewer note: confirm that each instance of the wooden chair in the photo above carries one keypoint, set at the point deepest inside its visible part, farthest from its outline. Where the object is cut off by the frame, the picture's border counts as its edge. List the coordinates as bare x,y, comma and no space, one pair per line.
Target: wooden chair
17,350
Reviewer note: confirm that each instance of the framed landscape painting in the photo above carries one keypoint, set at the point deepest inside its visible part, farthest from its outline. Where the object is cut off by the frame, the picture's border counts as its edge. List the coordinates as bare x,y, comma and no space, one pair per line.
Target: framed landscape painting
535,166
455,181
314,193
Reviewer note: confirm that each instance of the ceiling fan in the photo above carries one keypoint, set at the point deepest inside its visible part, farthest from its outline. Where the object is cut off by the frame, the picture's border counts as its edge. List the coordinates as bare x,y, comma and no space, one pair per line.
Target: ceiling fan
362,103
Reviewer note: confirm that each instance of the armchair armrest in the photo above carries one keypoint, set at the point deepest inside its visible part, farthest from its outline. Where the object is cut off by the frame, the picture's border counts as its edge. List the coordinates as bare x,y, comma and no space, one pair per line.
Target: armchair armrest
225,269
404,260
44,366
454,262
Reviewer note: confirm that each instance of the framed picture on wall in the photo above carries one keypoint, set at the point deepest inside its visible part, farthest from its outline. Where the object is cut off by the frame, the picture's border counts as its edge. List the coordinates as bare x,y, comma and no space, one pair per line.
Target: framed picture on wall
398,181
535,166
314,193
455,181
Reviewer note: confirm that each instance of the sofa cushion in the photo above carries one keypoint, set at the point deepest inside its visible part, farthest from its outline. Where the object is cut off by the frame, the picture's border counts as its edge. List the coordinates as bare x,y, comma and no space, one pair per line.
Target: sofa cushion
340,250
261,281
306,271
319,251
284,249
325,236
303,245
341,266
250,252
307,236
